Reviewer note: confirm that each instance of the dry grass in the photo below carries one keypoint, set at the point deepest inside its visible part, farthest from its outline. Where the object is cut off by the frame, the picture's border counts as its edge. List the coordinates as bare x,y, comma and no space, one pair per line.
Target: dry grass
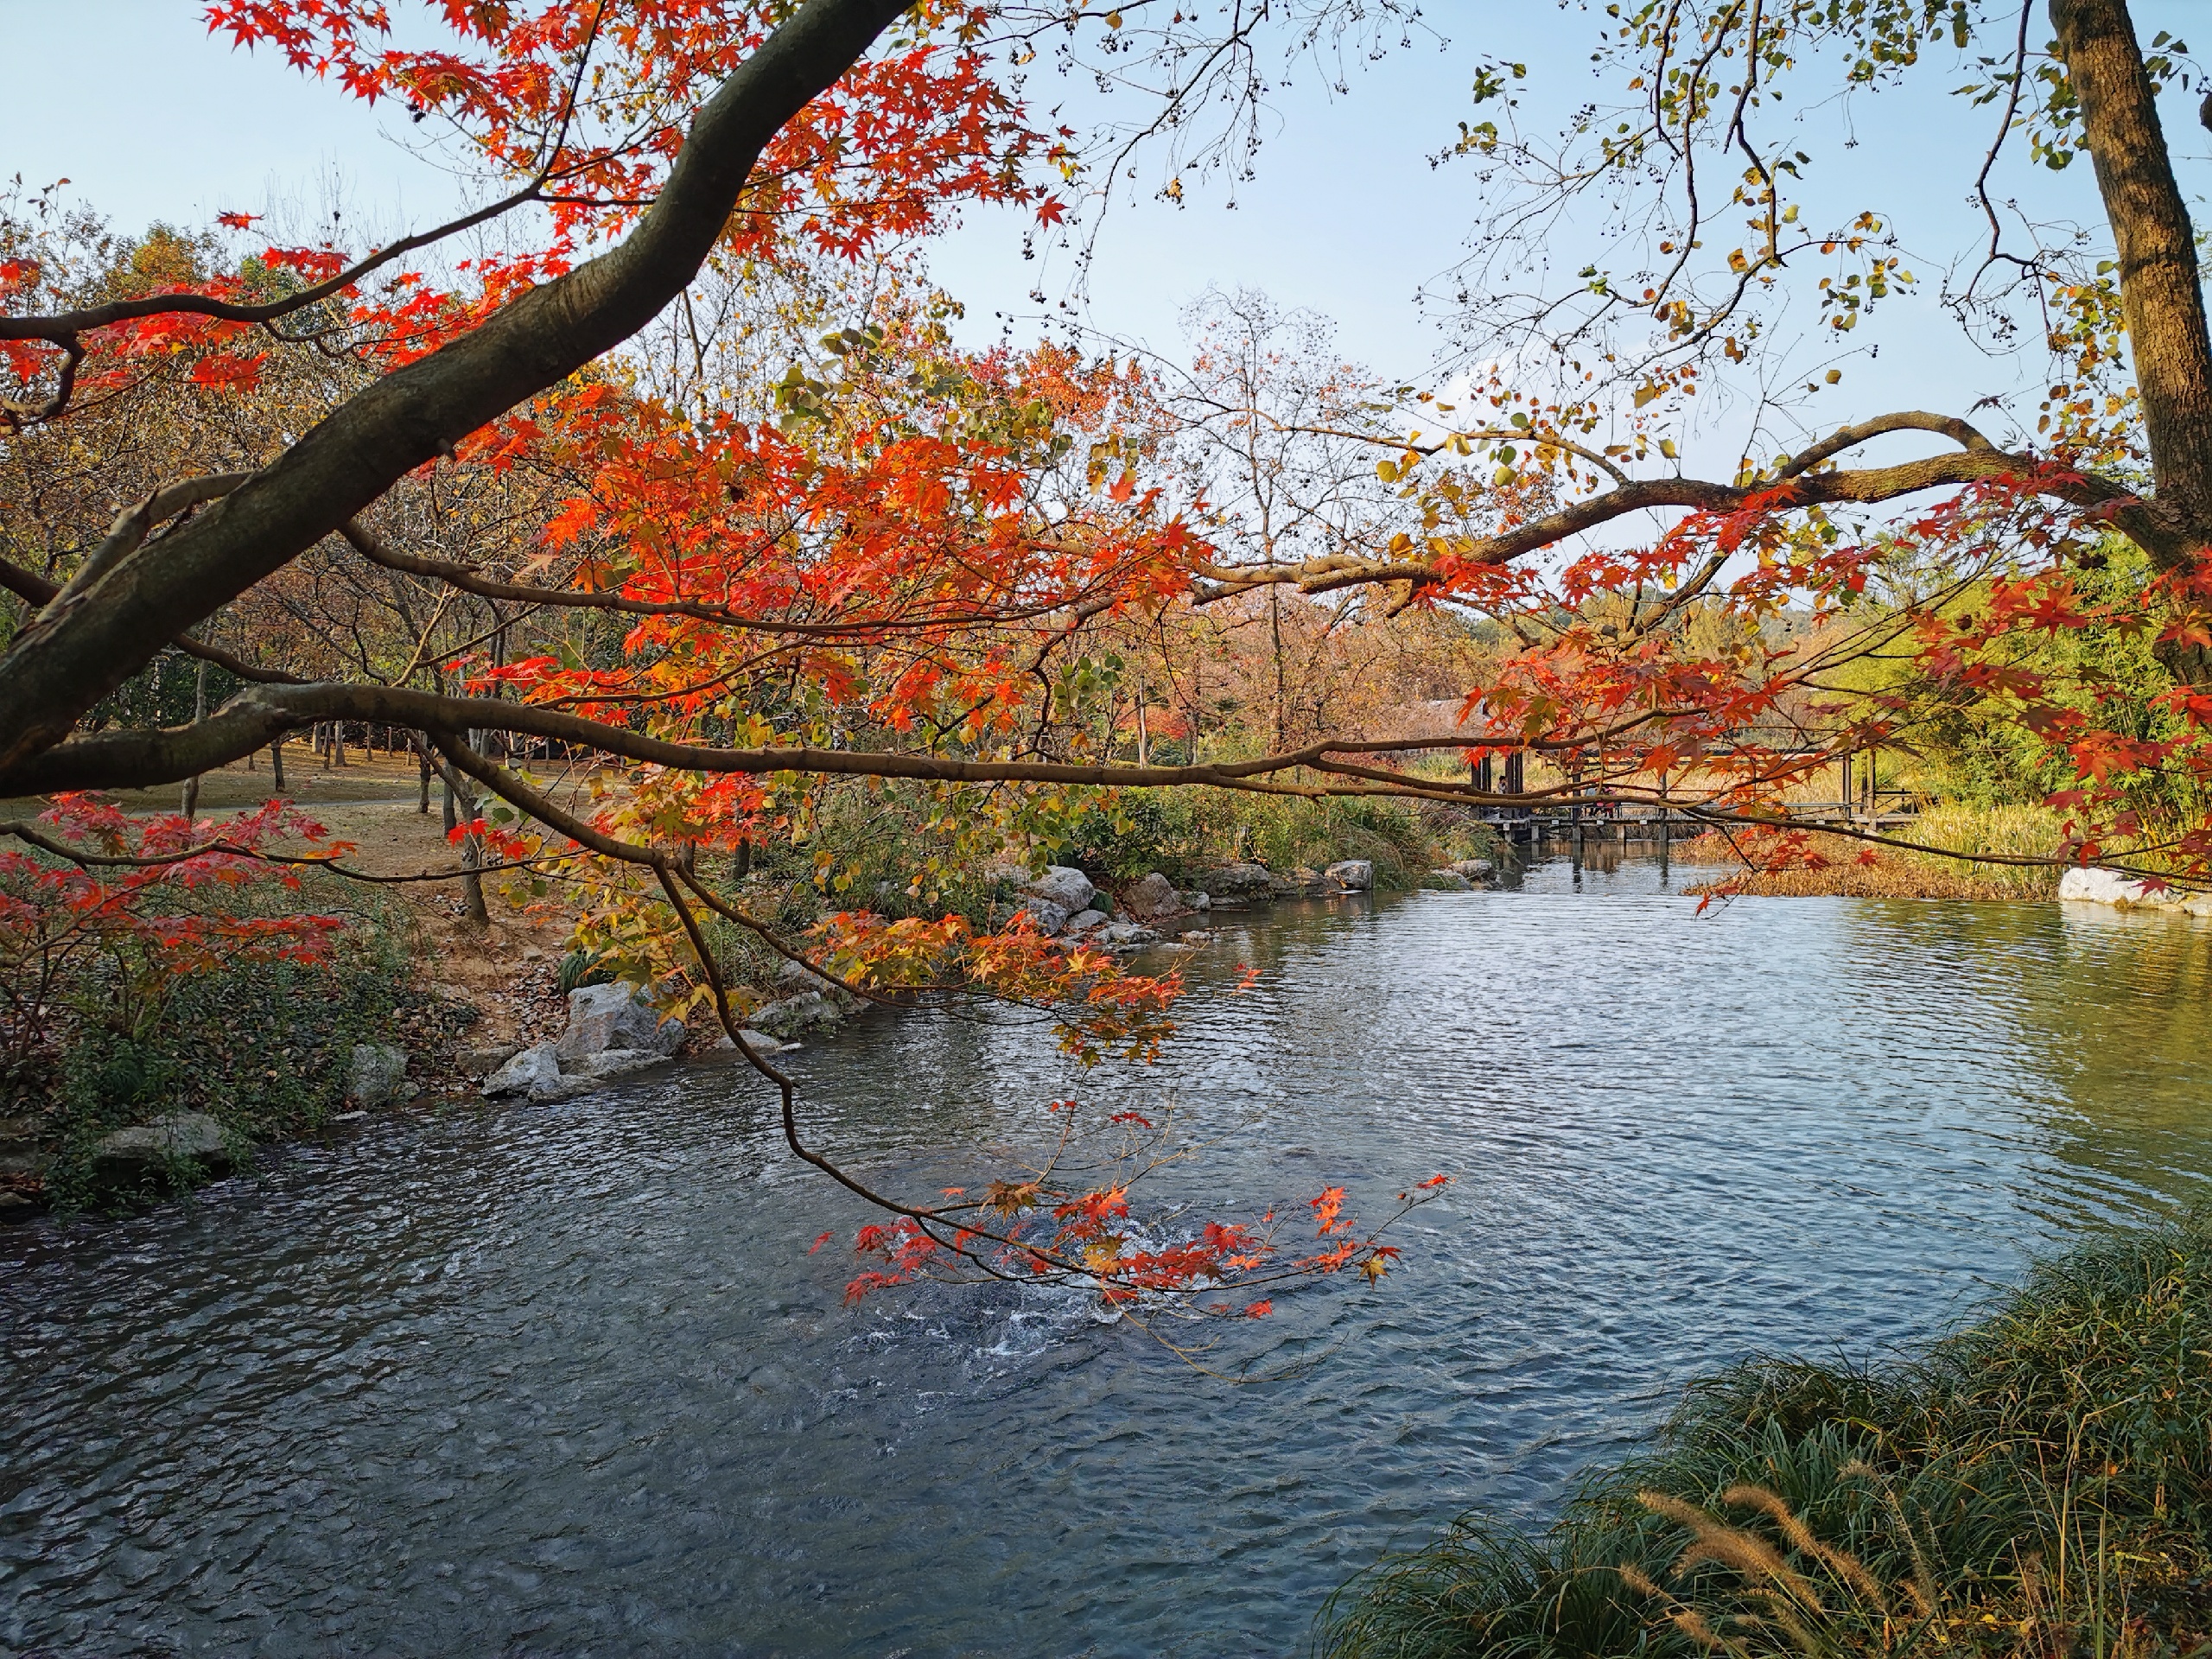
1855,870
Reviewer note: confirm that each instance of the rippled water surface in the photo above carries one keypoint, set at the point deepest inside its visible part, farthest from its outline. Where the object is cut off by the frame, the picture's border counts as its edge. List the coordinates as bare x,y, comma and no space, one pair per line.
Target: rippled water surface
564,1380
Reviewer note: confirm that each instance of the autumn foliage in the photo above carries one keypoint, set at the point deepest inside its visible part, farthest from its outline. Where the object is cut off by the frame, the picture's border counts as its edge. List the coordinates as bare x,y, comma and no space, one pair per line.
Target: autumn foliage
111,912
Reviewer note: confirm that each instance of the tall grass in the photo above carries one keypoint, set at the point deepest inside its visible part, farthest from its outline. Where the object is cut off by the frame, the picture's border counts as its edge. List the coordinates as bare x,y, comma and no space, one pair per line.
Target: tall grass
2002,831
1848,867
2039,1483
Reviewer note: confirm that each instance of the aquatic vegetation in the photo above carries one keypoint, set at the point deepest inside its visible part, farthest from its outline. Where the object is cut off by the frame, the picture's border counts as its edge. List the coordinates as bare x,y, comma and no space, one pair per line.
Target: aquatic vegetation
2040,1482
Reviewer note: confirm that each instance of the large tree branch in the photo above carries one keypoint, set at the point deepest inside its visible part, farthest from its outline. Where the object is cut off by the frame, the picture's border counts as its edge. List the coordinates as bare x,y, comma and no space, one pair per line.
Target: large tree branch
141,759
1798,485
377,551
37,592
62,329
49,677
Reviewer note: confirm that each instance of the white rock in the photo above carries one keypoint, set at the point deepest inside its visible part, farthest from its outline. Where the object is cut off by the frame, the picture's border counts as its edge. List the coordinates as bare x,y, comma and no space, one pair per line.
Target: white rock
179,1135
1236,884
526,1074
1352,874
610,1062
1131,933
483,1059
602,1017
2094,885
808,1011
758,1041
1069,888
1195,899
1084,920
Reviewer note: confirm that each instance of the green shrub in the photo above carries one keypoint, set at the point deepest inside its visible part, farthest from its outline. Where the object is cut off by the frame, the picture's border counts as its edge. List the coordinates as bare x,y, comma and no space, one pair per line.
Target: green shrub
262,1046
262,1049
1182,833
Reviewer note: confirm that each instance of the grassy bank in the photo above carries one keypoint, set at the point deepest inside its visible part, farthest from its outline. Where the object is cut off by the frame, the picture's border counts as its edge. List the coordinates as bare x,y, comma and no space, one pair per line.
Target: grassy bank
2039,1483
1853,871
260,1046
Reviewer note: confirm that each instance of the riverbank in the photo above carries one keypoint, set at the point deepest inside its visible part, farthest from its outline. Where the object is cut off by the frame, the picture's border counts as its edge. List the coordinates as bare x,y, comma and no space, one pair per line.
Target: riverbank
424,1004
1837,867
2040,1482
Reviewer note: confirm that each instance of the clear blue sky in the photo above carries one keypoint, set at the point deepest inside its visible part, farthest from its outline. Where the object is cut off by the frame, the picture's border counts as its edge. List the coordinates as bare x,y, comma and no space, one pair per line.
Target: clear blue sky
152,117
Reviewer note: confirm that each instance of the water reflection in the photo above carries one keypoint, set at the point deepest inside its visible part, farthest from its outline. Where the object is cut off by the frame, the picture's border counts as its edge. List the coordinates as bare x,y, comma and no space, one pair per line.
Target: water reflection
560,1380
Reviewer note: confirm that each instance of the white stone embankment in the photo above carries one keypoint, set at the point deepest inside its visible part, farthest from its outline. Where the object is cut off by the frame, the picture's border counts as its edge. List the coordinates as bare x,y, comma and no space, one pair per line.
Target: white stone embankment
2094,885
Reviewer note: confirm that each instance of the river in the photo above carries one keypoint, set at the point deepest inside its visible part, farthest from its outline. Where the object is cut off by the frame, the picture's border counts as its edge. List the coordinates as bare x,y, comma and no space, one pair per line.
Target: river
564,1380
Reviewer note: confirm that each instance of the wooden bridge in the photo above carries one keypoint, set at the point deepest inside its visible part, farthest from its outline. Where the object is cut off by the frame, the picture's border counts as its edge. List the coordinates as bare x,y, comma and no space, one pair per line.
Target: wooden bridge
1590,826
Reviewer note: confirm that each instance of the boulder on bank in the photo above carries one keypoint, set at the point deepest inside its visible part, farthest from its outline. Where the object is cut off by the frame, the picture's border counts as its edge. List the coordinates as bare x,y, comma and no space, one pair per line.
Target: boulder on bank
758,1041
376,1074
609,1063
1050,918
18,1146
611,1031
1193,899
1084,921
129,1157
602,1017
532,1073
482,1060
794,1016
1447,881
1352,874
1150,897
1062,885
540,1074
1237,884
1301,883
798,976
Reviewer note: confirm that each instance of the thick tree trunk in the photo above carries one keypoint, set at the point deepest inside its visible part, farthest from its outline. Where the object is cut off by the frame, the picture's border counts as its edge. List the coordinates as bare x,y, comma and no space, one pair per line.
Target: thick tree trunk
199,713
2161,298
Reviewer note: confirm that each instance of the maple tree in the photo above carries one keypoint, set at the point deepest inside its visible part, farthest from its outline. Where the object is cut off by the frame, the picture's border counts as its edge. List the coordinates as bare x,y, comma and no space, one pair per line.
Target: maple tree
554,532
132,896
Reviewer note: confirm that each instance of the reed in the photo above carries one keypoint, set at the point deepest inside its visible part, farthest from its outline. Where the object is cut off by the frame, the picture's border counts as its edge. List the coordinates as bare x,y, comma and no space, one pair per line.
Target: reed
2039,1483
1848,869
